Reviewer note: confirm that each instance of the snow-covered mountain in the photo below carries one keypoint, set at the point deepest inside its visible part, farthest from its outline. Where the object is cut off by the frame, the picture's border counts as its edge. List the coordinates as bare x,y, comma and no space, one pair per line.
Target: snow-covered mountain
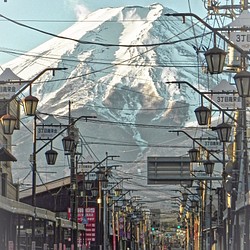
117,60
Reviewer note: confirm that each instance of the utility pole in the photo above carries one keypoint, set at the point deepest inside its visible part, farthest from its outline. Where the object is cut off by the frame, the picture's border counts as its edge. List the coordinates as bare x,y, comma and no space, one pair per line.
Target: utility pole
73,181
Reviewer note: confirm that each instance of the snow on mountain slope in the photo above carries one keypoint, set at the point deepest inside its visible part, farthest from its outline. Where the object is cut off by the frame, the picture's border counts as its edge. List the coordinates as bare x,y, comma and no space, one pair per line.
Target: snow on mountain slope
117,60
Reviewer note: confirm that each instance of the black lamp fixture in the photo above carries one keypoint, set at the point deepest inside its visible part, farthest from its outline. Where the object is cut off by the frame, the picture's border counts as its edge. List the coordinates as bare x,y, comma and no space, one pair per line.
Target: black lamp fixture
229,184
94,192
242,81
194,154
68,143
8,122
203,114
104,183
100,175
118,192
88,185
215,59
184,196
30,104
209,167
51,156
182,207
224,131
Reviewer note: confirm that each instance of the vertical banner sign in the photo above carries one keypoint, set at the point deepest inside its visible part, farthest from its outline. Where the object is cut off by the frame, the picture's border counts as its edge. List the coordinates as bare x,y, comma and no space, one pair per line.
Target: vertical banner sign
128,229
121,227
80,214
33,245
90,233
11,245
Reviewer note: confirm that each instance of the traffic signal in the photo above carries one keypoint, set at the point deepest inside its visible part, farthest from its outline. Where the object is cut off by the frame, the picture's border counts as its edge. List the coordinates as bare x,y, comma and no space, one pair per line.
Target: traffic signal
153,226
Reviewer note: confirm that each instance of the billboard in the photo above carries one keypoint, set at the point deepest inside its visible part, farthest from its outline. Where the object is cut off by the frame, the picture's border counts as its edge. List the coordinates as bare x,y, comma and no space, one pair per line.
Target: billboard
168,170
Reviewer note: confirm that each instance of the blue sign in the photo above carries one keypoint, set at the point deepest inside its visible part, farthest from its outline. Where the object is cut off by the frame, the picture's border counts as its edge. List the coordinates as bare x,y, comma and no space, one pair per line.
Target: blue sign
84,220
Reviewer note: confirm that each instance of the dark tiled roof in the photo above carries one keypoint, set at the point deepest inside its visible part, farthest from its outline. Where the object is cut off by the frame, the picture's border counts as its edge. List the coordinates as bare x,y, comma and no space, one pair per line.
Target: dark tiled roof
5,155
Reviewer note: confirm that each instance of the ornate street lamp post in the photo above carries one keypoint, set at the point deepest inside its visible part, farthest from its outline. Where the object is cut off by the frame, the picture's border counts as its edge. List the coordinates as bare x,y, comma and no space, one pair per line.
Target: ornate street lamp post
209,168
242,81
69,145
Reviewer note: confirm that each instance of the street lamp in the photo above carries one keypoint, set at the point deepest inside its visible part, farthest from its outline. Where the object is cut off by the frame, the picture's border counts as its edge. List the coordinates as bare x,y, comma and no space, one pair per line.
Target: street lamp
118,192
68,143
224,131
215,59
30,104
51,156
8,122
184,196
88,185
209,168
242,81
203,115
194,154
94,191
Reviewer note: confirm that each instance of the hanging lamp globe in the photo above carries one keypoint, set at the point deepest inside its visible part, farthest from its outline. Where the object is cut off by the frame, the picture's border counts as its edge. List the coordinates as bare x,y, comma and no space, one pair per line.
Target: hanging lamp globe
194,154
208,166
215,59
8,123
94,192
203,115
118,192
242,81
88,185
30,105
100,175
229,184
184,196
68,143
51,156
224,131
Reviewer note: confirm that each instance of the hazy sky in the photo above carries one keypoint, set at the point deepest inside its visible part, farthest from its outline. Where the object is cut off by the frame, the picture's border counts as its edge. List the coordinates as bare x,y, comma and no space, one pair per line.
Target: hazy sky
56,15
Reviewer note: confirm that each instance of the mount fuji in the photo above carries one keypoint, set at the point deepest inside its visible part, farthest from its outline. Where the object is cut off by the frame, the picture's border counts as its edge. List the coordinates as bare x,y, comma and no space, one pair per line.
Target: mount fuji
118,61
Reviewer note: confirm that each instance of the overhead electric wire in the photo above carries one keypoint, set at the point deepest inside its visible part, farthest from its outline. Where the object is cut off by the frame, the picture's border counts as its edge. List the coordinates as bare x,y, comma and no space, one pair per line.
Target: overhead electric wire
103,61
87,42
133,124
136,145
88,148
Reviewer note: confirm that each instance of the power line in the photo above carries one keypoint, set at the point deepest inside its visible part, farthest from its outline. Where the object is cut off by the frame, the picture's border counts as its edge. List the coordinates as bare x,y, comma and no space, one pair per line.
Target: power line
97,43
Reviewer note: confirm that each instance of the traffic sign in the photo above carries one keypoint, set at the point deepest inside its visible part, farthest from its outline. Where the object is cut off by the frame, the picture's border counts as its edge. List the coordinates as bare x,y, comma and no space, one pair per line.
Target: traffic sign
85,220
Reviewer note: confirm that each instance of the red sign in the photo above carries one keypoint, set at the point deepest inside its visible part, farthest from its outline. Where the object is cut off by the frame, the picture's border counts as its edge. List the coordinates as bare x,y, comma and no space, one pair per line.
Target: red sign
90,228
90,231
